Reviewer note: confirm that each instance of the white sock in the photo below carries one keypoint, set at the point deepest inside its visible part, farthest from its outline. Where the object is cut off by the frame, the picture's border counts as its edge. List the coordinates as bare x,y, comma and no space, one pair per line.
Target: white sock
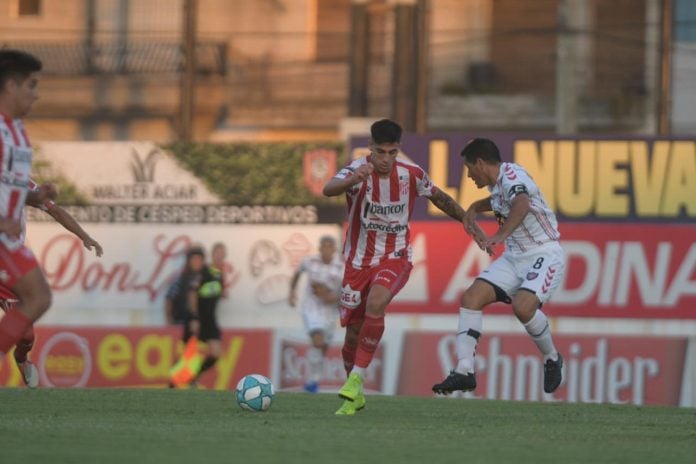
315,356
468,333
359,370
538,329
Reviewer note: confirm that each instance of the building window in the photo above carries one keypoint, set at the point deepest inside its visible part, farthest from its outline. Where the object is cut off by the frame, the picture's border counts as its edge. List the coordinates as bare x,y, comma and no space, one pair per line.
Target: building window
28,7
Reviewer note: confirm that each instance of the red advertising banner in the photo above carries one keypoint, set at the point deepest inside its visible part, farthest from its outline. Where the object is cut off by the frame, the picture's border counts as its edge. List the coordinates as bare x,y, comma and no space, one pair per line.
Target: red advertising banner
613,270
134,357
294,366
634,370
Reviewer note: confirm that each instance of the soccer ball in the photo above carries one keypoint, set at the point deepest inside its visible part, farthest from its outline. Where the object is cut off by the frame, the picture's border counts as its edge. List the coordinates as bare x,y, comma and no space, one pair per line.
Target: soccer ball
254,393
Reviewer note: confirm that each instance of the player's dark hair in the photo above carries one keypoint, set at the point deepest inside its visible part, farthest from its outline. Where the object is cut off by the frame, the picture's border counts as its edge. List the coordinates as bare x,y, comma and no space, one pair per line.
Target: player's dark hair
17,64
481,148
385,131
195,250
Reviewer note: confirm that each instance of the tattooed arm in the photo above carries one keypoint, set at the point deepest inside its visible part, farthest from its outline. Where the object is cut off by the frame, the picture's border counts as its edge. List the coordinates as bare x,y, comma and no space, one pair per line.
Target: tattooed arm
447,205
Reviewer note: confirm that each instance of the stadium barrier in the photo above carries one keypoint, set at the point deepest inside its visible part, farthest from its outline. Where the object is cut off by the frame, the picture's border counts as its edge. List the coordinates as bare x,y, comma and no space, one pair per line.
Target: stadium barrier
598,369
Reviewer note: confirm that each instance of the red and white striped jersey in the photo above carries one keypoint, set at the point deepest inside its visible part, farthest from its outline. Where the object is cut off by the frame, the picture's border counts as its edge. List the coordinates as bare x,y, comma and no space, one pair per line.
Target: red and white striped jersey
15,169
379,209
539,225
48,204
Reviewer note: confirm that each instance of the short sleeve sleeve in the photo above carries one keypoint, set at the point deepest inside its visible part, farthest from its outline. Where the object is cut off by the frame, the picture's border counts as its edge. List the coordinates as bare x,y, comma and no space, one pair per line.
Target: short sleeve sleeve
424,186
516,182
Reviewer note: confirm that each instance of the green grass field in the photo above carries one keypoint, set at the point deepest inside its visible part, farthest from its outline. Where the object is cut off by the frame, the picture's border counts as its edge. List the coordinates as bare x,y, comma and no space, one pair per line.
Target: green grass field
167,426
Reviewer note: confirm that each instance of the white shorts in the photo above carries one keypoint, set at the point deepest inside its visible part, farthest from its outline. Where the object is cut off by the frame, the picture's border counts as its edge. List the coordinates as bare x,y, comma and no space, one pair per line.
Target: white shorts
319,317
539,271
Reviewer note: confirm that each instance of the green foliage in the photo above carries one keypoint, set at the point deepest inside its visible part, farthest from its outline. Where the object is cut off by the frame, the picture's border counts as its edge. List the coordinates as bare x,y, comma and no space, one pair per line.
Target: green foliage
68,194
255,174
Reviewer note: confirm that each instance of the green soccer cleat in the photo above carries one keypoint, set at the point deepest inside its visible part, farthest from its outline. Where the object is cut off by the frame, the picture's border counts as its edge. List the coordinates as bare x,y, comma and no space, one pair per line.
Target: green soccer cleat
349,408
352,388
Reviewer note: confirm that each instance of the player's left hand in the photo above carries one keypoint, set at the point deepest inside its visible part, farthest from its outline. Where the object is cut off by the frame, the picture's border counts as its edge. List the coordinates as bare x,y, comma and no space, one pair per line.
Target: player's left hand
89,242
493,240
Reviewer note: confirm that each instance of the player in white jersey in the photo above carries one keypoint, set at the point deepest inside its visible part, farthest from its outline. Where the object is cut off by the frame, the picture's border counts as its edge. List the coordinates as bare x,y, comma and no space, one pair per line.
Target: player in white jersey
526,274
380,191
19,270
319,304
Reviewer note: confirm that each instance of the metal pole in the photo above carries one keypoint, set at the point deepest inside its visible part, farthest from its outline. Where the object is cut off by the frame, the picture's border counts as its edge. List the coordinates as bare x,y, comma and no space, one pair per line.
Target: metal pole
422,80
359,57
188,77
665,99
566,99
405,72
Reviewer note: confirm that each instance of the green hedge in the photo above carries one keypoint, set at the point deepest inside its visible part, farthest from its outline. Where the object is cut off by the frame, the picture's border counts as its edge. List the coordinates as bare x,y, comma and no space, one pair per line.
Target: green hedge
255,173
68,194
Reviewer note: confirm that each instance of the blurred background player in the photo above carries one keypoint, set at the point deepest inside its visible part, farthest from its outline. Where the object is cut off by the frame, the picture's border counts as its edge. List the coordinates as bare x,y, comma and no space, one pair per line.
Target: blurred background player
527,273
19,270
319,304
8,300
380,191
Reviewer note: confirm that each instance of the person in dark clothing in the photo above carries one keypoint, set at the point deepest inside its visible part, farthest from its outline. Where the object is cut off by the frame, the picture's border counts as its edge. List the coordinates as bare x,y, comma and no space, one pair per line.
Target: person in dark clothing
208,294
177,300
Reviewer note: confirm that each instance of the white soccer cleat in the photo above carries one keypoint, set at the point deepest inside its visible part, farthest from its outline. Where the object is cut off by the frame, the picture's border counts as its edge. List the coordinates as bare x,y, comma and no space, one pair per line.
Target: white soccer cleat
30,374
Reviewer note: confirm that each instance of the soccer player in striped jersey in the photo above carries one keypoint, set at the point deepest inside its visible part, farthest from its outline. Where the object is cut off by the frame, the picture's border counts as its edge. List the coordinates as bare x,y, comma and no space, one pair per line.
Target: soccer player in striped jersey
380,191
525,275
8,300
19,270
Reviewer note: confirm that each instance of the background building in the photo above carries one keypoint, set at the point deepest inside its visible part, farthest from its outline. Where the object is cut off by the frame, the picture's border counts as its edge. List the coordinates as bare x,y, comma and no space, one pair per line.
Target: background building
115,69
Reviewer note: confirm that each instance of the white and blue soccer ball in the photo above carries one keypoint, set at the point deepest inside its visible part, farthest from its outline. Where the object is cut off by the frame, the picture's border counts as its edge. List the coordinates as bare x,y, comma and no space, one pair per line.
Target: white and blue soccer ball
254,393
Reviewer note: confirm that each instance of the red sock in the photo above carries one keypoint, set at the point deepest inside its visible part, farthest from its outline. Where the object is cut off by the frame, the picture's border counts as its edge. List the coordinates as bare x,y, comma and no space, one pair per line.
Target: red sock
24,346
368,341
12,327
348,353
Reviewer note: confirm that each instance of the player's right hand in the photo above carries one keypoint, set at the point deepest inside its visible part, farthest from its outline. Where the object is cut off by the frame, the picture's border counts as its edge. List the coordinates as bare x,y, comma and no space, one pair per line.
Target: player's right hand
362,173
479,236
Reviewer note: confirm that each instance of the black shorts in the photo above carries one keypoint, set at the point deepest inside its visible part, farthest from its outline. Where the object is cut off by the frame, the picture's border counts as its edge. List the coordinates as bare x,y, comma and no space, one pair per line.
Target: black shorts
209,329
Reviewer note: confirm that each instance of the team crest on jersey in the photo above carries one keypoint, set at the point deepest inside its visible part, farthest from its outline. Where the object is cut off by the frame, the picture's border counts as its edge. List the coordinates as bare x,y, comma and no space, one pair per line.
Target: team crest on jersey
403,188
532,275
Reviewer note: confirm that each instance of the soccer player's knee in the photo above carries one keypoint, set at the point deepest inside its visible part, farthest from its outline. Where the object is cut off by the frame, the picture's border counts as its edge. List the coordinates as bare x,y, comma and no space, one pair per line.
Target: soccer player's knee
470,300
523,312
41,303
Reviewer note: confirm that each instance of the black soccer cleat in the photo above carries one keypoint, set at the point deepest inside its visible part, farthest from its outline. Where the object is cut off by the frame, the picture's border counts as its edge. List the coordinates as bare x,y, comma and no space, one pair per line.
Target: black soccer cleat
552,374
456,382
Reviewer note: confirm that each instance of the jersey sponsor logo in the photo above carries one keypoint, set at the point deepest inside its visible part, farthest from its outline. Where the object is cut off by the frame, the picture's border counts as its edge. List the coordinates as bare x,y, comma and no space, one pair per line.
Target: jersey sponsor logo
350,299
378,208
386,275
532,275
388,228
